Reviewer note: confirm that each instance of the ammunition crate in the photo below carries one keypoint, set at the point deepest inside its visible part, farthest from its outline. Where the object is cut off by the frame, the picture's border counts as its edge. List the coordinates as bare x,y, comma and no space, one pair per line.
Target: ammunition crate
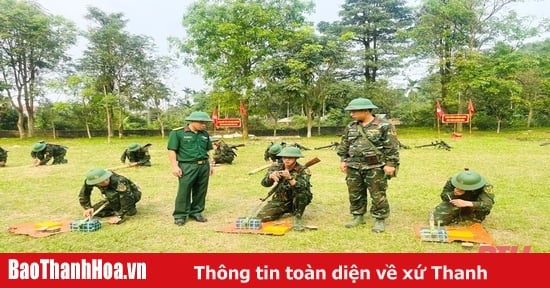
248,223
86,226
434,235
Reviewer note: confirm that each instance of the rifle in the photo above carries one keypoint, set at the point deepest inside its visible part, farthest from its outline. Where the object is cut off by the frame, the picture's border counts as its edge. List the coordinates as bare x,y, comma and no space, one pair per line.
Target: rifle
439,144
274,189
299,146
254,171
235,146
332,146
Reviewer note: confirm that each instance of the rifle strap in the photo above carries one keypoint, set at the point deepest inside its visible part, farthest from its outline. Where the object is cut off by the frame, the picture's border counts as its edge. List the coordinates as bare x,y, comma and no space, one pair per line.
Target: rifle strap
362,131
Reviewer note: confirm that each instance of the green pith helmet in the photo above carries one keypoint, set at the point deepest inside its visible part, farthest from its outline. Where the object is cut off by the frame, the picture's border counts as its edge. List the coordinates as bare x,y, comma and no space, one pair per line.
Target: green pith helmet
134,147
198,116
97,175
38,147
291,151
360,104
468,180
275,149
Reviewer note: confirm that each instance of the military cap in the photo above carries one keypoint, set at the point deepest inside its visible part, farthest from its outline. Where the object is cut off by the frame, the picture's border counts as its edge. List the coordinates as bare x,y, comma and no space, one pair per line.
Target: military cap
468,180
198,116
97,175
360,104
291,151
134,147
38,147
275,149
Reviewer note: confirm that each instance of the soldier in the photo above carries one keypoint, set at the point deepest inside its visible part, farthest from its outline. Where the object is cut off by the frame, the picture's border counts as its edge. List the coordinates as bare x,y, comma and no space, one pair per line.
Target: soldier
369,157
223,153
292,190
272,150
188,153
137,155
3,157
465,196
120,193
42,153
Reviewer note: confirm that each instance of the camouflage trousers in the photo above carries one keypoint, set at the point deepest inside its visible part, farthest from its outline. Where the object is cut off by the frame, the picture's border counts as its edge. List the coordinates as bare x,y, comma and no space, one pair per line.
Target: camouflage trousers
361,182
277,207
446,213
60,158
126,200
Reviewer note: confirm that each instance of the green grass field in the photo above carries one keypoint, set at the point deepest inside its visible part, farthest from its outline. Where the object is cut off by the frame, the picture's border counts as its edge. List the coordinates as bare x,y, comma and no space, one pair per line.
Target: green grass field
513,162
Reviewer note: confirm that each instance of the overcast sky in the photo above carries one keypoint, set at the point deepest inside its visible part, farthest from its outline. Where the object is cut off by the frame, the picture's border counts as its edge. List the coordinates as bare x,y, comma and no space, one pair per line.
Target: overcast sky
161,19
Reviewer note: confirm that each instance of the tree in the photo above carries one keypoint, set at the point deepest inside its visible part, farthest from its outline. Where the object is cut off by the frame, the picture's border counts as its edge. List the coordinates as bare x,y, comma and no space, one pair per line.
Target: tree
227,40
377,27
31,43
111,59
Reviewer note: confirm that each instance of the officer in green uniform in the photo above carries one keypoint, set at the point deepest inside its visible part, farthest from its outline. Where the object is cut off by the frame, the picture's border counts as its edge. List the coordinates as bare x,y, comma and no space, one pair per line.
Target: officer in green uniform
188,152
369,157
3,157
42,153
137,155
292,190
119,192
465,196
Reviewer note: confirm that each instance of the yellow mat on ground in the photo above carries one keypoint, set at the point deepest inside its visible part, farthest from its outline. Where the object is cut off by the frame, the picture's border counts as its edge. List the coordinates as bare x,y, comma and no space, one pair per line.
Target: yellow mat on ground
41,229
474,233
278,227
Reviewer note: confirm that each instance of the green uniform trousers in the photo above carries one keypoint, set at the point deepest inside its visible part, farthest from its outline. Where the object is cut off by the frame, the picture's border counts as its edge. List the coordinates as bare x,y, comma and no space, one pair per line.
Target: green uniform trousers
192,189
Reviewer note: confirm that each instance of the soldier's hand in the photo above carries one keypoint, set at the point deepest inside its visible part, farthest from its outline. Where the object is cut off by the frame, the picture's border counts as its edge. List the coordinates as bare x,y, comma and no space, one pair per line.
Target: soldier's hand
275,176
115,220
176,171
285,174
88,212
343,167
461,203
389,170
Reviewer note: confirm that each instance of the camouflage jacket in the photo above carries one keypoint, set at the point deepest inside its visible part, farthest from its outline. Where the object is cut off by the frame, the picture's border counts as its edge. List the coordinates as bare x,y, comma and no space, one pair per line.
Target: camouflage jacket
373,145
482,198
224,153
140,156
118,185
51,150
283,190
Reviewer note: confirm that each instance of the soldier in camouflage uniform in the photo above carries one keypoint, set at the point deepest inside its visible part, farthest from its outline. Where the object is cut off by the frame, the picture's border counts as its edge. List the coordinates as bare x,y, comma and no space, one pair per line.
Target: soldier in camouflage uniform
137,155
465,196
223,153
42,153
119,192
272,150
3,157
292,190
369,156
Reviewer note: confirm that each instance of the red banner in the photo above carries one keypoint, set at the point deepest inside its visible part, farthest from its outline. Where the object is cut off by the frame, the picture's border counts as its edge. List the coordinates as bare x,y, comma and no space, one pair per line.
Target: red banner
273,270
215,118
242,109
471,108
229,122
438,109
455,118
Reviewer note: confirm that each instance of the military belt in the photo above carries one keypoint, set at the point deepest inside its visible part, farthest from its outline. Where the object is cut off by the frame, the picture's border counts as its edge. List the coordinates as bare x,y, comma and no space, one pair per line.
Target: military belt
200,162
